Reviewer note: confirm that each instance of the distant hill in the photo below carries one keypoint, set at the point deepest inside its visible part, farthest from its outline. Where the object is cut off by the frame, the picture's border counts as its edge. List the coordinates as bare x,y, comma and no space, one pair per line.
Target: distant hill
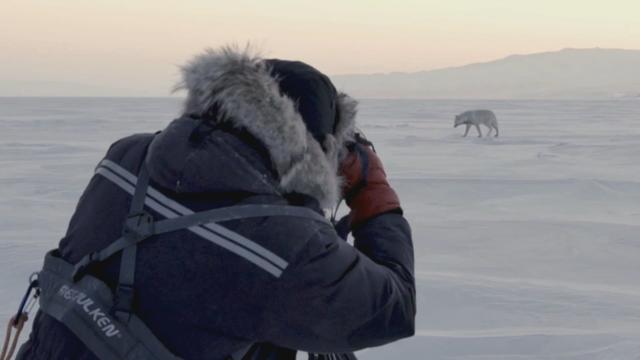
564,74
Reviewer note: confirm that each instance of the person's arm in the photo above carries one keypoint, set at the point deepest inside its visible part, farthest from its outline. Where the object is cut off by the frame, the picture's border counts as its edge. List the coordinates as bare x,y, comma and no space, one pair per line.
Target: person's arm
337,298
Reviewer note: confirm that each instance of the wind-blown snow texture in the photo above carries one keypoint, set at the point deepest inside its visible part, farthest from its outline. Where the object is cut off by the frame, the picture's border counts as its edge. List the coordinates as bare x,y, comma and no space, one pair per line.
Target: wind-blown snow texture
527,246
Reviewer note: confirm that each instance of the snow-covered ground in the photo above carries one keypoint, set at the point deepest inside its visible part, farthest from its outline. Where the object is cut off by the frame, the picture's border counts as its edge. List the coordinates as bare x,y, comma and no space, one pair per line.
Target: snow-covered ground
527,246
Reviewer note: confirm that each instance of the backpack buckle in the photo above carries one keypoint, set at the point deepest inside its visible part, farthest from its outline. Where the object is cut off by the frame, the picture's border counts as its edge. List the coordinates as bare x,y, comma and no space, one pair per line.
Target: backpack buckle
123,302
81,267
138,226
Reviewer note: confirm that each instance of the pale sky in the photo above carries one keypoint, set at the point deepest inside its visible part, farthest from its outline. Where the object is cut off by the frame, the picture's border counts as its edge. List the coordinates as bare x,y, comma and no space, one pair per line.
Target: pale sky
134,46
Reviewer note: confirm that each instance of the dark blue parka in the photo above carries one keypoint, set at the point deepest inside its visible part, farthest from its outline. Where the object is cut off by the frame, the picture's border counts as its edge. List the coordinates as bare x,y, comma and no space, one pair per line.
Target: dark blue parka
206,302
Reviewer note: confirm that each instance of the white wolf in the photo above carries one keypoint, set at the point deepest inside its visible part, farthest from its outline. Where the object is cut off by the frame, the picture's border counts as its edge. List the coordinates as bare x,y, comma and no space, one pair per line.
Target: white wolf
477,117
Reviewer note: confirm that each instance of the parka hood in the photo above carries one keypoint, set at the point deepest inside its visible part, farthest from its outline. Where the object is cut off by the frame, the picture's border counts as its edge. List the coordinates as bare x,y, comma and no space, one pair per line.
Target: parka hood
243,91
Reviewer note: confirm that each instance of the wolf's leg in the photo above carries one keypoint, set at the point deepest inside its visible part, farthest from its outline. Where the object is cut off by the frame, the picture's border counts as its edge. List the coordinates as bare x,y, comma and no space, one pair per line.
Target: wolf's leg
490,129
466,131
479,131
495,126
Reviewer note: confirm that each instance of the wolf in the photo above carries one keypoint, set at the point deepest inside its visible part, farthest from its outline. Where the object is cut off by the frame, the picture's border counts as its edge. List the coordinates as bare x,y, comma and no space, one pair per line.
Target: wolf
477,117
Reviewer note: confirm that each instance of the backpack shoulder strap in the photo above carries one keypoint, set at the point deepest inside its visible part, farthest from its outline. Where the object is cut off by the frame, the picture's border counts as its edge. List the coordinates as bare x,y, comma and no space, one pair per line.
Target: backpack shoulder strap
137,227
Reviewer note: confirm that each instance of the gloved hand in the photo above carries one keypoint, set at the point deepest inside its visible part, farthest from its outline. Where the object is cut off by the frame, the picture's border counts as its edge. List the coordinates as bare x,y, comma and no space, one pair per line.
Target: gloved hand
366,189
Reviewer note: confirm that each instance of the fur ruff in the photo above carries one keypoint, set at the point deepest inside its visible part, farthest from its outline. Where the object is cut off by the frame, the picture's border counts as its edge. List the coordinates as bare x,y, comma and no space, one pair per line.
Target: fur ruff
240,84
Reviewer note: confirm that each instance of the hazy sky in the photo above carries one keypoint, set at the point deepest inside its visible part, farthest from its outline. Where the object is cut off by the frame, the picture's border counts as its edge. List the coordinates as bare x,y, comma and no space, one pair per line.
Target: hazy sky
134,46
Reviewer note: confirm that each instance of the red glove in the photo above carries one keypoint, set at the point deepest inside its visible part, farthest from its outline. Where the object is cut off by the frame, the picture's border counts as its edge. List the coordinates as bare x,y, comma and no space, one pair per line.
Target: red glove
366,189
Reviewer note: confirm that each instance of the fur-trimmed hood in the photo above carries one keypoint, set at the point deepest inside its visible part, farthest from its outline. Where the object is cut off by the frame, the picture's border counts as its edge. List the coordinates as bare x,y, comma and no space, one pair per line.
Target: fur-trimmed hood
240,86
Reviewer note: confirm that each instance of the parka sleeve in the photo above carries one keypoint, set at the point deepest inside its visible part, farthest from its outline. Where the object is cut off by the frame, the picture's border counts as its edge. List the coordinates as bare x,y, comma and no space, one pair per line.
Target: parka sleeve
339,298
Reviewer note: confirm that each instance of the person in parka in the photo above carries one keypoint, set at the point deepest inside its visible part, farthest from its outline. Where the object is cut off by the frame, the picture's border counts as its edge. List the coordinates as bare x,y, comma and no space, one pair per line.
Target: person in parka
253,131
